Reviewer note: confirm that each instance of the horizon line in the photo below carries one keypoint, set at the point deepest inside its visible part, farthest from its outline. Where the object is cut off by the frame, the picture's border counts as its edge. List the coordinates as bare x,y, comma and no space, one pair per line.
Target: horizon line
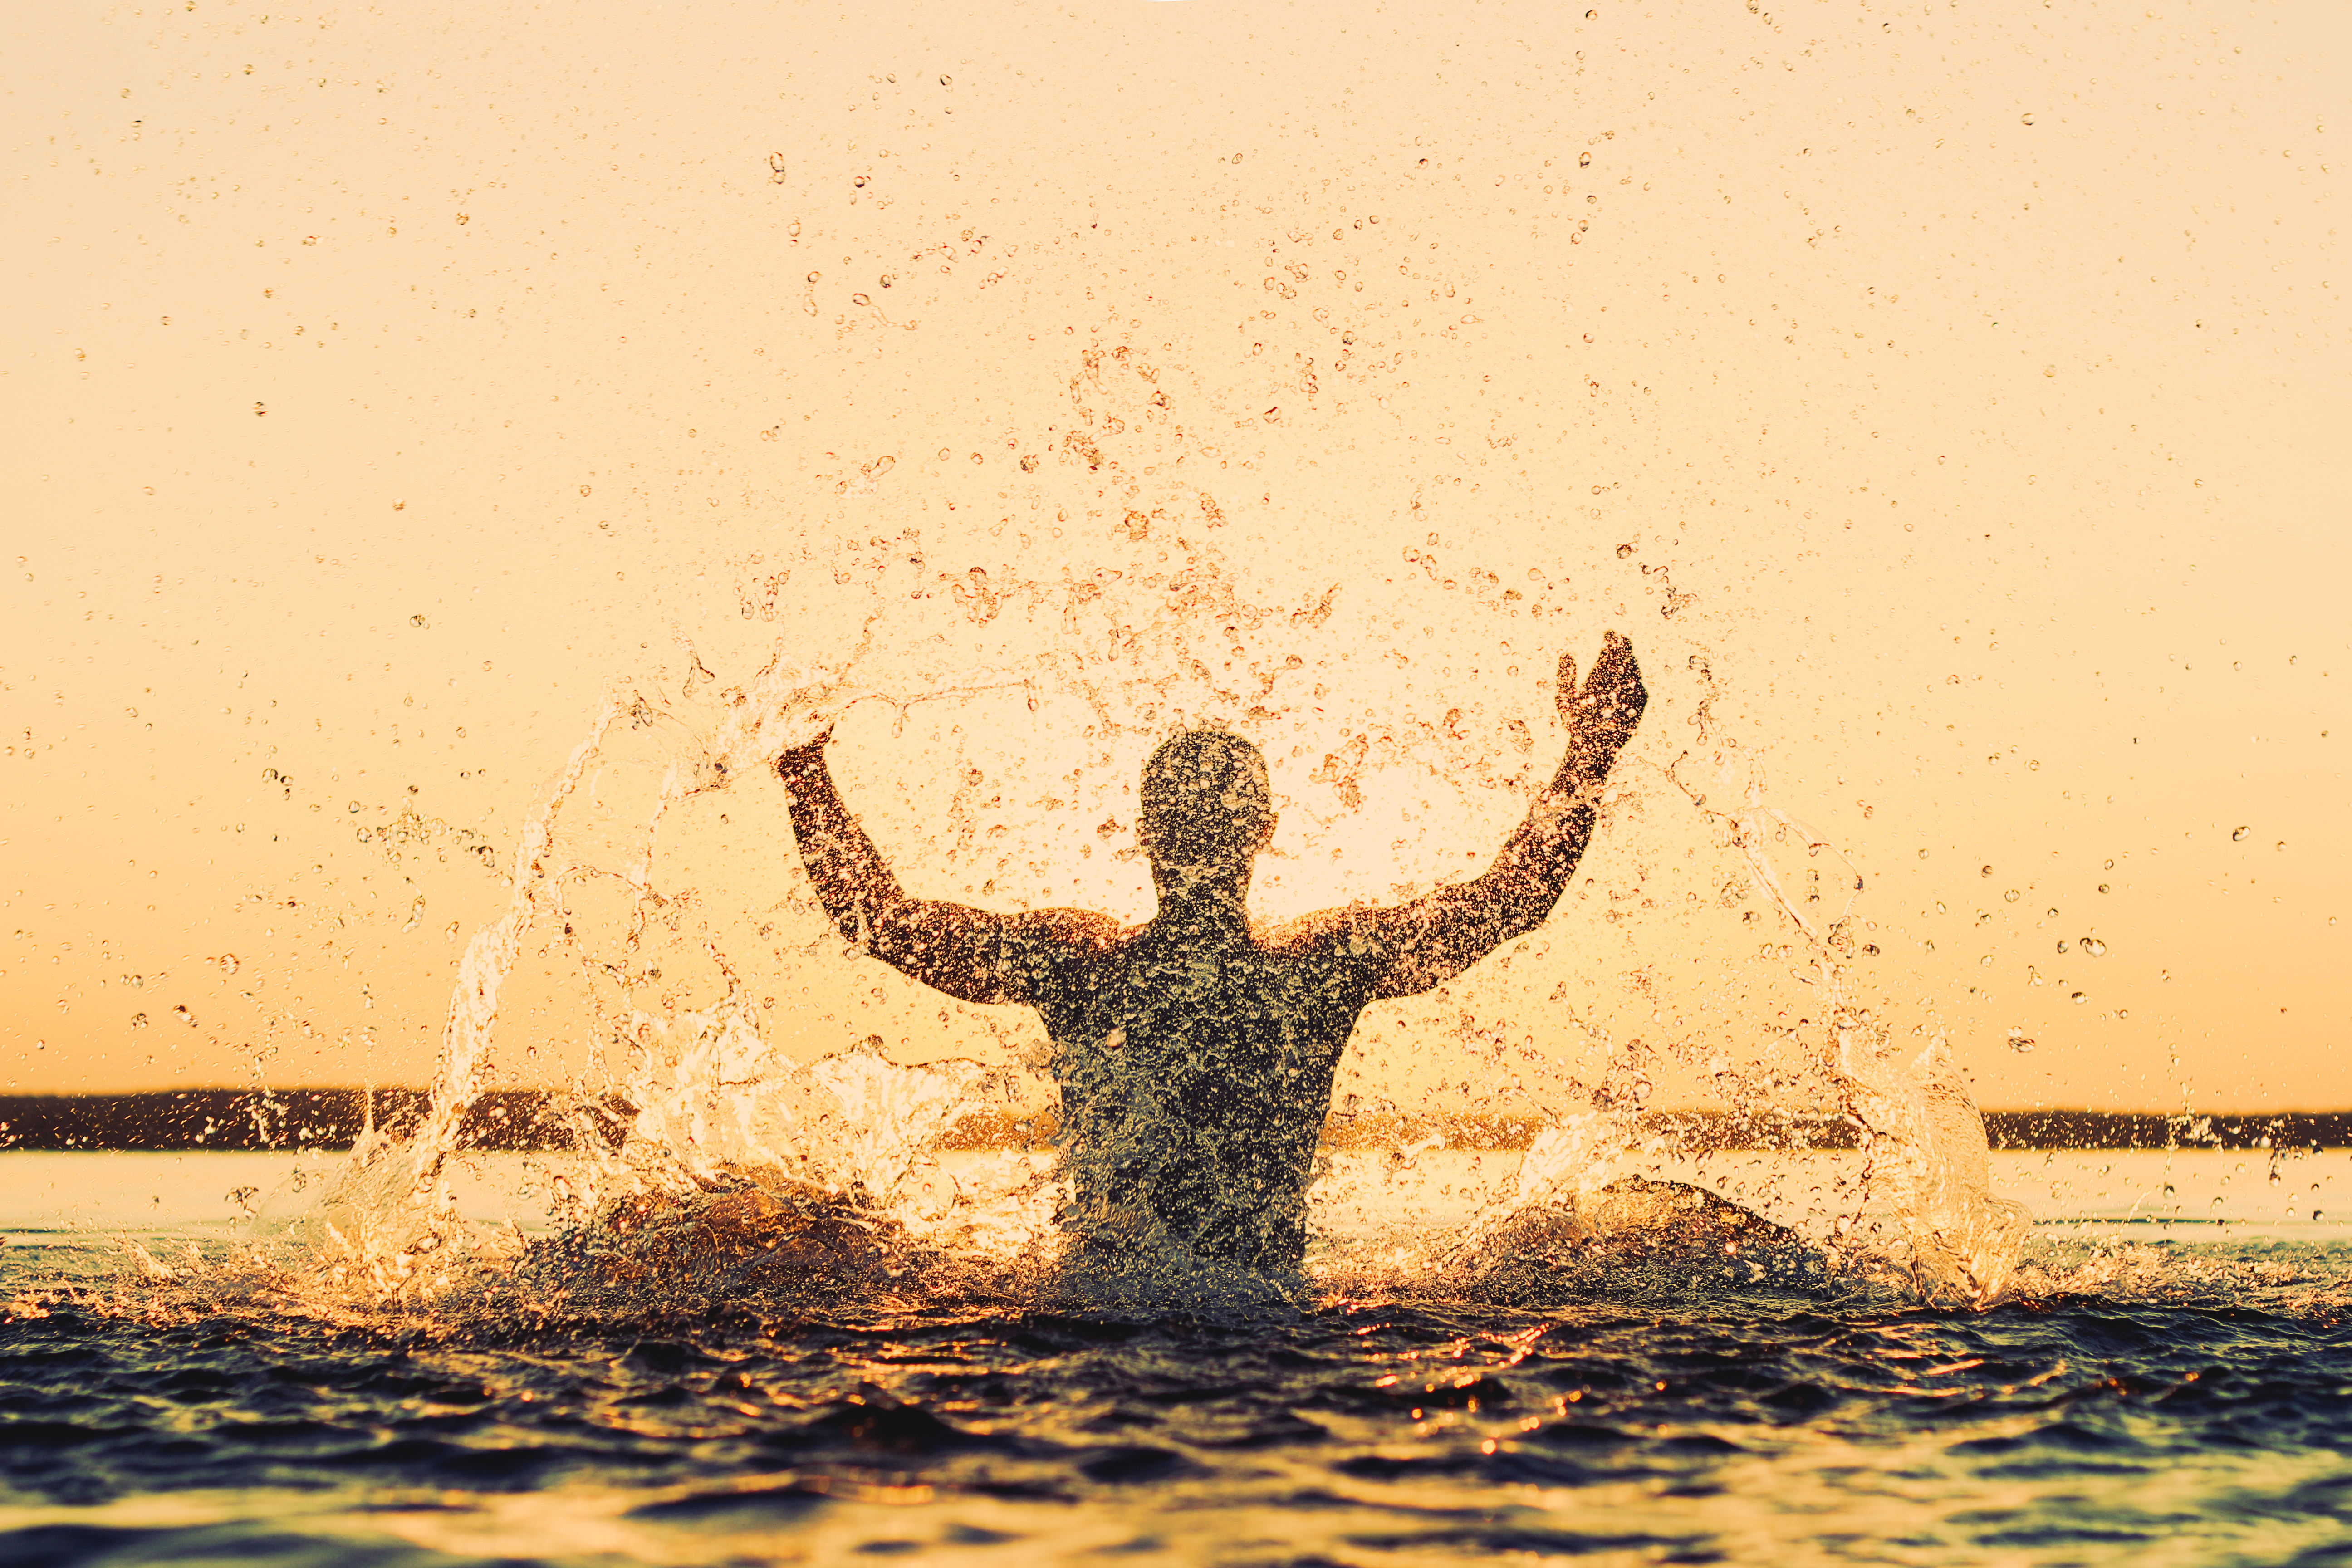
538,1119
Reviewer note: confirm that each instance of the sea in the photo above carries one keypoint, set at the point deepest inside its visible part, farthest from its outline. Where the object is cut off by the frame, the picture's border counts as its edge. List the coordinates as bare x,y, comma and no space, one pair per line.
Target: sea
193,1370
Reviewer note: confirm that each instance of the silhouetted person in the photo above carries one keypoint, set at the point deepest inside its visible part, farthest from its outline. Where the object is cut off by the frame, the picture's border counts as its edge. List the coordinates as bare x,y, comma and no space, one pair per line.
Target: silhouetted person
1195,1052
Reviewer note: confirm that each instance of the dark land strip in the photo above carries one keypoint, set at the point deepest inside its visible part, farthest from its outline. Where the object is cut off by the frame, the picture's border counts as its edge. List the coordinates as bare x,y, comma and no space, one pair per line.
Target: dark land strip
521,1119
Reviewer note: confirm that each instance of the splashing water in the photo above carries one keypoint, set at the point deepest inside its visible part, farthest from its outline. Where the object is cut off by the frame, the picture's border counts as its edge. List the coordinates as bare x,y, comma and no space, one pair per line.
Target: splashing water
702,1034
1925,1136
690,1109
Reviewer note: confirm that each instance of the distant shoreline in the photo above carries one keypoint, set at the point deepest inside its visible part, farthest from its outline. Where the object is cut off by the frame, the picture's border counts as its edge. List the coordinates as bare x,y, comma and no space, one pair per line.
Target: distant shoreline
525,1120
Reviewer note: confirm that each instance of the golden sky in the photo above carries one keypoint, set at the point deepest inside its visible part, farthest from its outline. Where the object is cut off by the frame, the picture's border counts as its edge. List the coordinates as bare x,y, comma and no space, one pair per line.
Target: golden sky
1946,399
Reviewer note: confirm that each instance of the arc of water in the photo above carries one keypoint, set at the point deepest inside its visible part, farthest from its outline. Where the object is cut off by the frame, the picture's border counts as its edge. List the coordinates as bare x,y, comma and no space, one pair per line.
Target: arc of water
474,1005
1959,1233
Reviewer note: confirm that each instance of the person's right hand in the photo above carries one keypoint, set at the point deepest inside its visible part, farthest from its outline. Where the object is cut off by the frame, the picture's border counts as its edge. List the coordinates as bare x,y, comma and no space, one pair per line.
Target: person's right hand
1600,714
809,752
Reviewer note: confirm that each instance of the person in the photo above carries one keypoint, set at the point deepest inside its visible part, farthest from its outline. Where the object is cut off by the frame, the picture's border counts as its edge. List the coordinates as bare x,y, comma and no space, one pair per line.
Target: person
1195,1052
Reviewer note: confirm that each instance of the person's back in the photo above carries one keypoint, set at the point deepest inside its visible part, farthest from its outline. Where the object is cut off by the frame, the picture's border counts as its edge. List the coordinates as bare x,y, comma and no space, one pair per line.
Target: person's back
1196,1058
1195,1053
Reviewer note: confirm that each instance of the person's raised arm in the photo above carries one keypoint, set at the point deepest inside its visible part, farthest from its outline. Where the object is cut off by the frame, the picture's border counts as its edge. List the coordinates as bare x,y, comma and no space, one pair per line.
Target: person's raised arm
1413,947
974,955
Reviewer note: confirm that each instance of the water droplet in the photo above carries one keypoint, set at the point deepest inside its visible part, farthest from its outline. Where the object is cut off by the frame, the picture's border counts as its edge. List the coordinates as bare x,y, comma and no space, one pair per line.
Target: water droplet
1624,551
1985,872
2103,887
2079,998
2062,944
417,621
2095,947
2010,897
2239,834
2025,120
1584,160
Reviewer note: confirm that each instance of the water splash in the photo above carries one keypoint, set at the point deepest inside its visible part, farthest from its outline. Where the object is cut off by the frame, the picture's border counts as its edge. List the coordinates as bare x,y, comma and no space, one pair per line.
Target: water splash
1925,1137
680,1086
728,1137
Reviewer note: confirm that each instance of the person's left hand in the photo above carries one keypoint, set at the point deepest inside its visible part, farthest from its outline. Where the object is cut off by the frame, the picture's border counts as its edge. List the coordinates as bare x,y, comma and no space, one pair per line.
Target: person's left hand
1601,713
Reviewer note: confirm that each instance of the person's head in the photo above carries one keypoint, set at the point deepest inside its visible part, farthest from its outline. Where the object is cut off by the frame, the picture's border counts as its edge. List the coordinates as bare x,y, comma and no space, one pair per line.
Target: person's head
1206,802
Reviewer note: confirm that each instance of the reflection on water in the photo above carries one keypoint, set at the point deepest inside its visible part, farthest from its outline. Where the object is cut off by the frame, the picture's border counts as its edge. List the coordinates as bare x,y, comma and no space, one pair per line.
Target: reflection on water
2143,1390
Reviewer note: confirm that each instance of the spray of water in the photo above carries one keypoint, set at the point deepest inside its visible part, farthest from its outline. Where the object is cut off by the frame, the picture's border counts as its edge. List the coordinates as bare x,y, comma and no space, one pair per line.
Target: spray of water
727,1135
697,993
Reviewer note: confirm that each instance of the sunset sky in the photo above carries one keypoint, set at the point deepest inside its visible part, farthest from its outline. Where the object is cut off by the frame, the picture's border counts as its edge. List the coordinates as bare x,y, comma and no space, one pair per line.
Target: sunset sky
1948,400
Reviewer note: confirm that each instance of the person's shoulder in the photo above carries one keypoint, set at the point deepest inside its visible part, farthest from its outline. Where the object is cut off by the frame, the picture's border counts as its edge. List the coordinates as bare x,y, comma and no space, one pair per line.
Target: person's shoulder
1073,931
1333,931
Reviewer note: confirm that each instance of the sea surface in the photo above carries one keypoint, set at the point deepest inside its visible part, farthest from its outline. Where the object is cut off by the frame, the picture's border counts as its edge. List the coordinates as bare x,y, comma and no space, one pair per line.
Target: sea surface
2168,1379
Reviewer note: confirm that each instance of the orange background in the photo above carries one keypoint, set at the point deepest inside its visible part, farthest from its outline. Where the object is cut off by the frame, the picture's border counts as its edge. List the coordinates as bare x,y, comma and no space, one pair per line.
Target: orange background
1948,395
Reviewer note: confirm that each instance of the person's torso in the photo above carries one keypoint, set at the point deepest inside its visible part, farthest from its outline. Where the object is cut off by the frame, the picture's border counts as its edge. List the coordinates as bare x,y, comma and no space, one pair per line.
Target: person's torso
1196,1070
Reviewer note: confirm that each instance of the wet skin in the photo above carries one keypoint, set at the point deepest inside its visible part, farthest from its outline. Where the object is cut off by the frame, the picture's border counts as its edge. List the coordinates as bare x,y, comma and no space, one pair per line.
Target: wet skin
1195,1052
